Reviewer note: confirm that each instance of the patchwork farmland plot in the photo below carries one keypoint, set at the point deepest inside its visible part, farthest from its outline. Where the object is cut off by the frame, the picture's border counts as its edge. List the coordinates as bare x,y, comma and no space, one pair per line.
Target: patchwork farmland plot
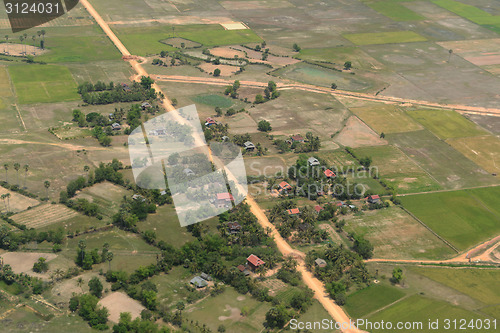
365,301
396,235
482,150
17,202
446,124
395,11
464,218
392,37
43,84
44,215
385,118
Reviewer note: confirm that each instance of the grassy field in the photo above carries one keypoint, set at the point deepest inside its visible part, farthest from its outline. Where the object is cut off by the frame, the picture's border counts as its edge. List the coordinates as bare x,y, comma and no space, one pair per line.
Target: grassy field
446,165
391,37
148,40
482,150
396,235
213,100
384,118
464,218
44,215
420,309
446,124
339,55
364,302
339,158
43,84
83,49
469,12
395,11
397,169
480,284
225,309
5,88
315,313
106,195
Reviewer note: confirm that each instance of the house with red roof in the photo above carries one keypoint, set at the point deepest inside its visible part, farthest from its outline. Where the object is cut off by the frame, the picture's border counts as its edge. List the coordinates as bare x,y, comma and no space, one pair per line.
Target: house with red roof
293,211
254,262
209,122
284,186
329,173
224,199
373,199
318,208
297,138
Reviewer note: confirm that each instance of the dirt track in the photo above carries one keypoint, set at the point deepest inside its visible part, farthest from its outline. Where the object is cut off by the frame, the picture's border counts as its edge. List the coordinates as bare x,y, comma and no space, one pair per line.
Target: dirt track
334,310
323,90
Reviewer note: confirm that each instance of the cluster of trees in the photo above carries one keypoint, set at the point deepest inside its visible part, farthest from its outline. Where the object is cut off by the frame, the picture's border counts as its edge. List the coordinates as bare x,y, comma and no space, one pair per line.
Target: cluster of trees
138,325
86,306
362,246
215,132
100,93
233,89
344,268
307,231
85,259
41,266
270,92
10,240
264,126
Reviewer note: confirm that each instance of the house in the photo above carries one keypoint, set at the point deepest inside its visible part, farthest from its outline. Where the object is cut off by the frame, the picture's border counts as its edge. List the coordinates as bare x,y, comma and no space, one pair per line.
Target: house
146,105
188,172
243,269
373,199
233,227
209,122
116,127
225,138
318,208
163,192
138,197
320,262
249,145
297,138
254,262
125,87
284,186
293,211
198,282
340,204
206,277
313,161
329,173
224,199
111,116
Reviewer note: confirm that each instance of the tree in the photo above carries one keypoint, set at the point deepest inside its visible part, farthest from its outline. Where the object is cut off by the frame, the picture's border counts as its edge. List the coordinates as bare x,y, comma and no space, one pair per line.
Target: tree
450,52
82,245
221,329
26,168
397,275
46,184
296,47
340,298
147,82
79,282
109,258
6,42
334,86
95,287
277,316
264,126
40,266
218,111
382,135
347,65
6,167
259,99
17,166
217,72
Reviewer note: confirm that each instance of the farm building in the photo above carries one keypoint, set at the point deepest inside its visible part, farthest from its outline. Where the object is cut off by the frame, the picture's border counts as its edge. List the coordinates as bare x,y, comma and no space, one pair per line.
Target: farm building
206,277
243,269
284,186
329,173
233,227
254,262
297,138
312,161
198,282
146,105
209,122
116,127
318,208
373,199
224,199
320,262
249,145
293,211
138,197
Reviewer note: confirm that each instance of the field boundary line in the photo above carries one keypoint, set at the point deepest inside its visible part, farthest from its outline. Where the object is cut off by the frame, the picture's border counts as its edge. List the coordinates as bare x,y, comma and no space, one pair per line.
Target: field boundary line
432,231
387,306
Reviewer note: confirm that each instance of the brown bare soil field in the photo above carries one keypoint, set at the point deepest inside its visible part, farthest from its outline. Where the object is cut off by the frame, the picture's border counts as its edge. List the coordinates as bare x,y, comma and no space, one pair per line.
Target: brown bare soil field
44,215
19,50
485,60
17,202
225,70
118,302
357,134
227,52
22,262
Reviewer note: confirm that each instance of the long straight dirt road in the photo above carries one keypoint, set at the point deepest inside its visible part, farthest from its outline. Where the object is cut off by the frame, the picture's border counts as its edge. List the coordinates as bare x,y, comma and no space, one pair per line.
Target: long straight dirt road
317,286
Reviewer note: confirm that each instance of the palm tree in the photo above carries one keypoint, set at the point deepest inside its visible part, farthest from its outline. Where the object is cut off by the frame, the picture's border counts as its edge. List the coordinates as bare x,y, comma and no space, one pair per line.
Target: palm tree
26,168
3,197
46,184
21,38
80,283
6,167
34,49
17,166
6,42
109,257
43,34
450,52
25,35
7,195
82,245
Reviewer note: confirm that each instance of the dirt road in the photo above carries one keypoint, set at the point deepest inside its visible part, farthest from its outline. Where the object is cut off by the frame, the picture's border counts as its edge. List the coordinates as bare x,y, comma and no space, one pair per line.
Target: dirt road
343,93
333,309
